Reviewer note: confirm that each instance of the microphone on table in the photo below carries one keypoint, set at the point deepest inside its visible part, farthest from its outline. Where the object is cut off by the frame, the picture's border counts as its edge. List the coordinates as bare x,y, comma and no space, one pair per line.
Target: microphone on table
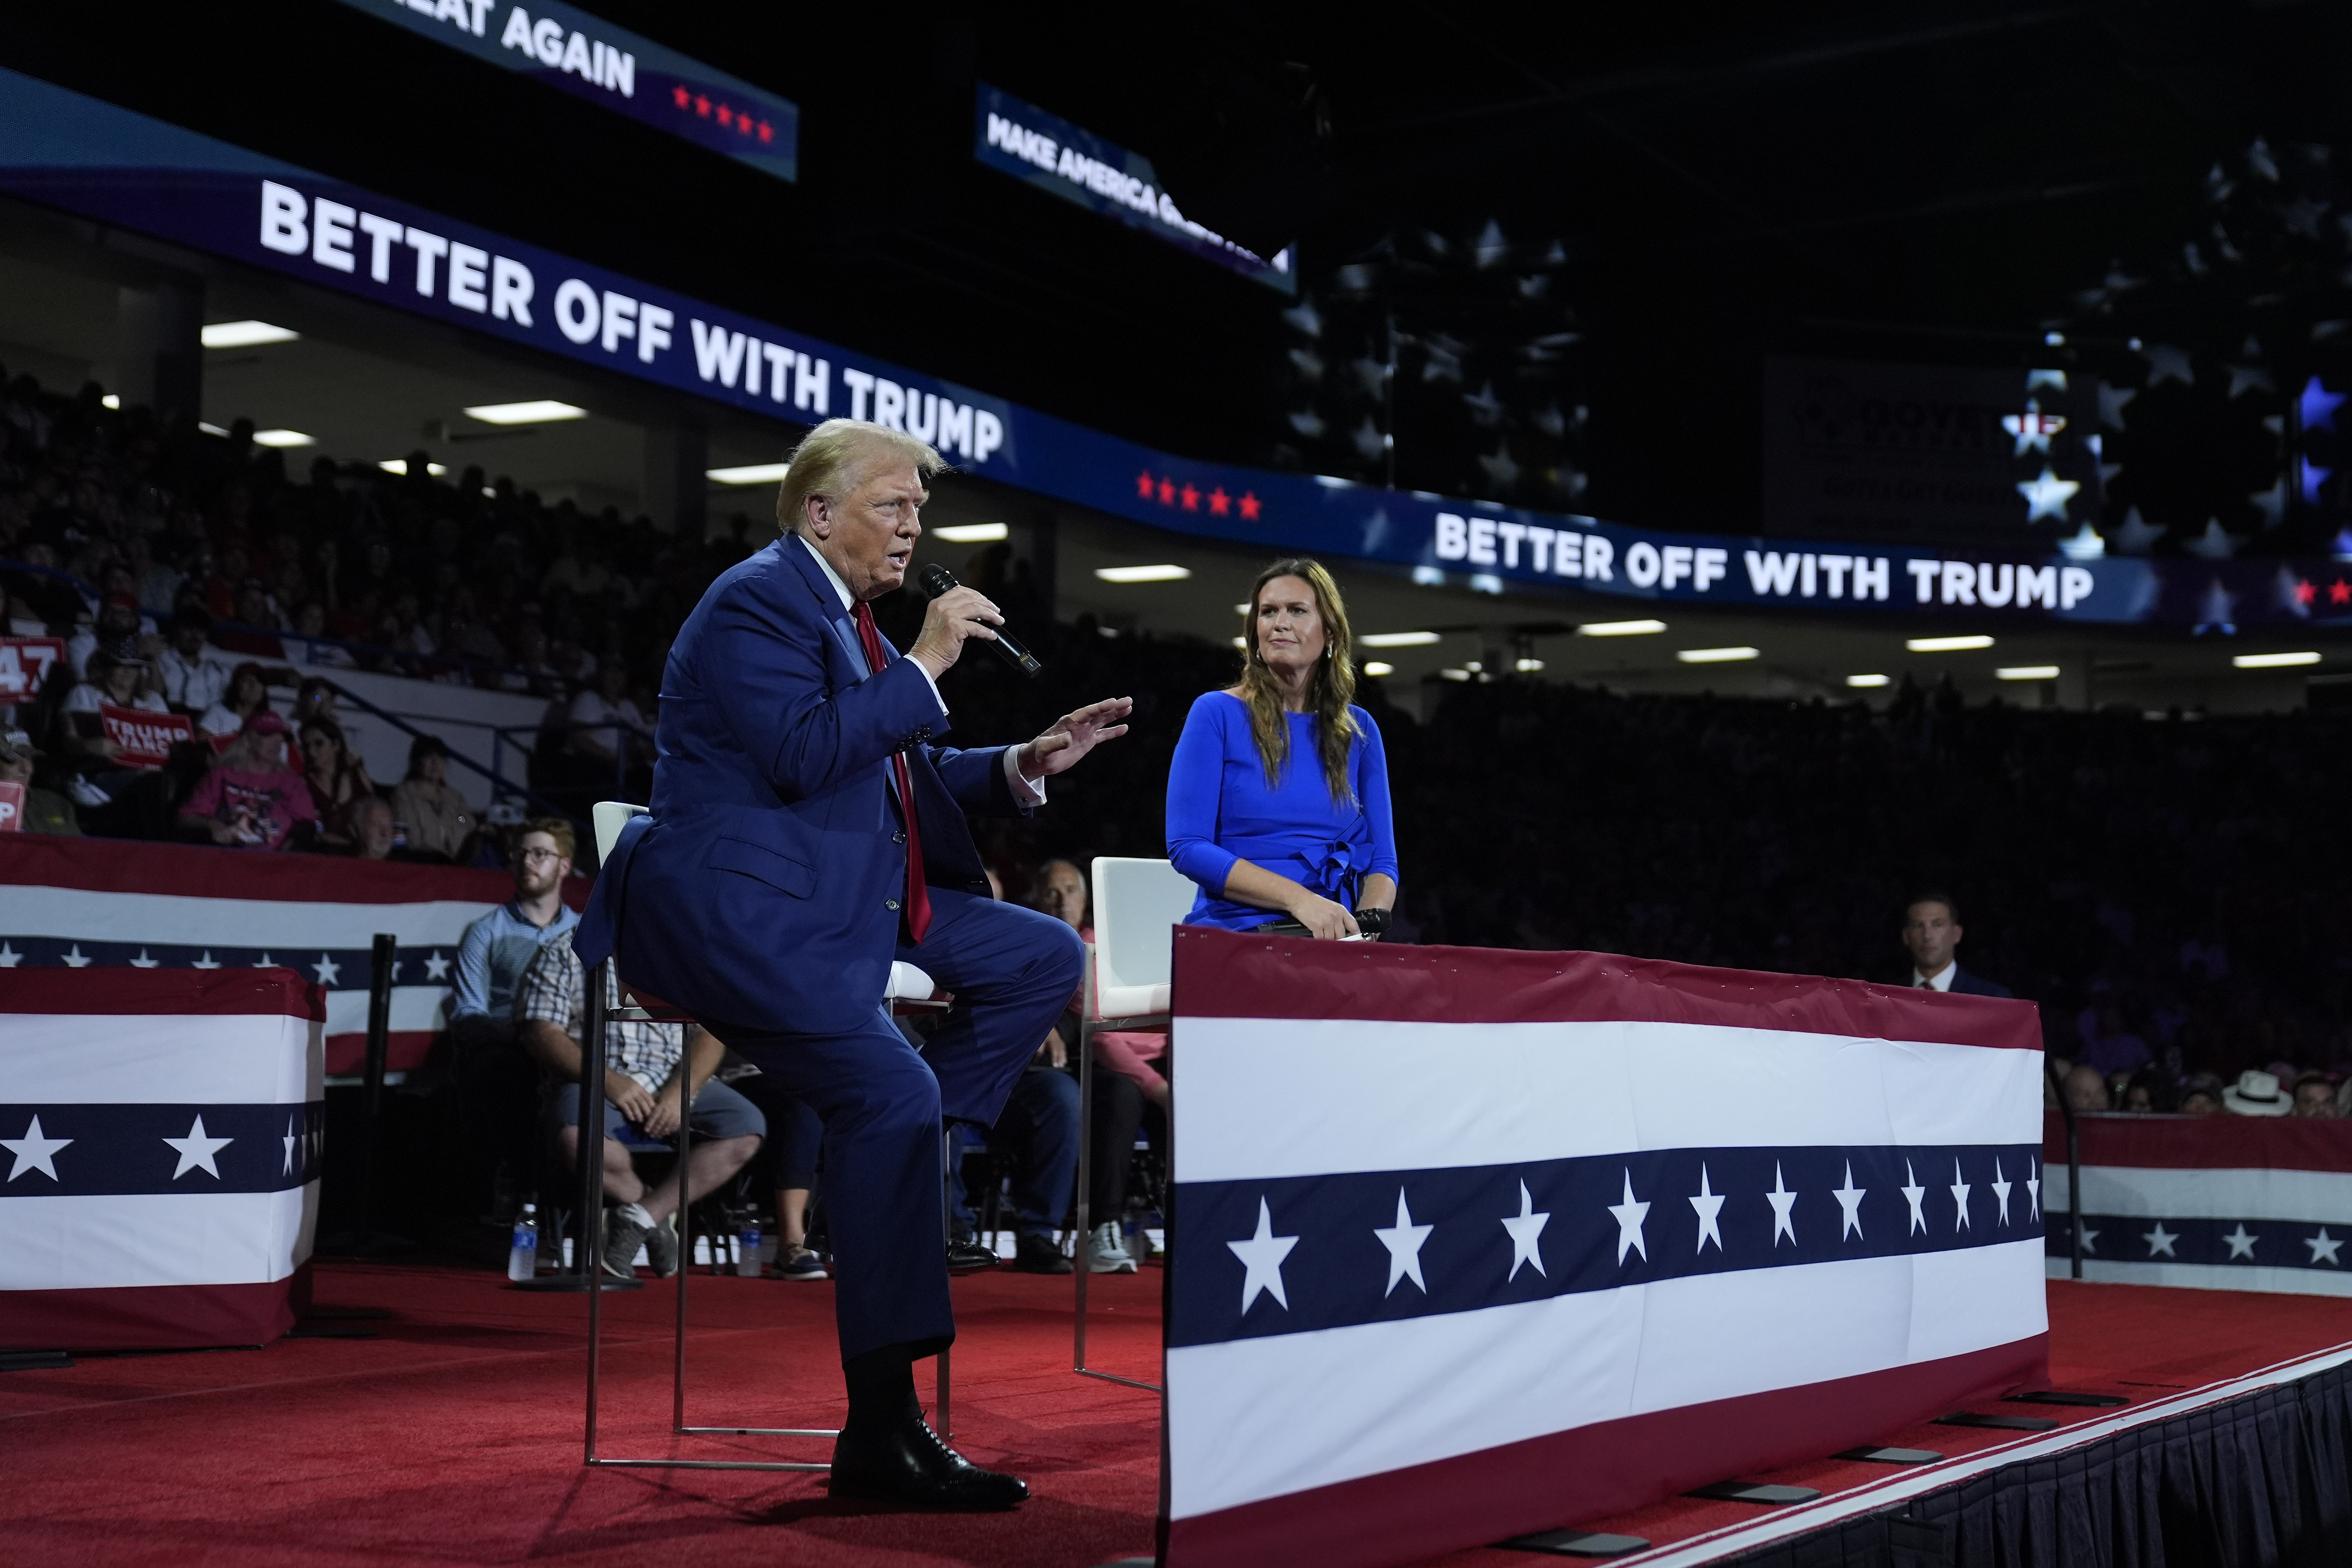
935,580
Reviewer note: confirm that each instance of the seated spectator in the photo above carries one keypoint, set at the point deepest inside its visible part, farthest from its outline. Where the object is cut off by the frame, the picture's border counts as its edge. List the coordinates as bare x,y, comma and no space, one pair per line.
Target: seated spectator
126,798
337,778
658,1075
1128,1089
2086,1088
307,644
794,1138
1931,932
497,1084
250,799
603,721
437,819
2315,1097
193,678
45,810
247,693
374,833
116,631
2200,1096
2256,1093
315,699
2142,1094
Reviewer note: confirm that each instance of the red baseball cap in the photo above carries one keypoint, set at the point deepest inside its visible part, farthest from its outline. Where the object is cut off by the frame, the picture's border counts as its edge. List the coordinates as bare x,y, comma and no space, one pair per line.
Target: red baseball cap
265,722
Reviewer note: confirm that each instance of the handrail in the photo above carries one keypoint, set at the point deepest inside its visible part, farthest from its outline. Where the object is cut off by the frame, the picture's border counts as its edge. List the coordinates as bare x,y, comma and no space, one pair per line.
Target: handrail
499,783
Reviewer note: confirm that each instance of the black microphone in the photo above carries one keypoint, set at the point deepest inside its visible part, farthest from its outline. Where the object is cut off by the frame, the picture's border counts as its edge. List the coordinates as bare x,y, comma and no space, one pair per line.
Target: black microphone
935,580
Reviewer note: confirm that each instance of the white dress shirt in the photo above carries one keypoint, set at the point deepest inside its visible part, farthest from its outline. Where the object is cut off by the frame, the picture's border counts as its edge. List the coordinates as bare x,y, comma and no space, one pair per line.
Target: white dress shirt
1939,981
1026,791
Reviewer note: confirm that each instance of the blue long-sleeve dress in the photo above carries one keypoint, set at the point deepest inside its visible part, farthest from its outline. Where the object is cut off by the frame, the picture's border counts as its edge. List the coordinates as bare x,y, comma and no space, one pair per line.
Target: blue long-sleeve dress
1220,810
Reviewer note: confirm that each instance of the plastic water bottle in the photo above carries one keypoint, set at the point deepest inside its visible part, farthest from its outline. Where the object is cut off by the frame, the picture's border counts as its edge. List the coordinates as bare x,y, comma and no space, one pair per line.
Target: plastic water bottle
747,1260
522,1258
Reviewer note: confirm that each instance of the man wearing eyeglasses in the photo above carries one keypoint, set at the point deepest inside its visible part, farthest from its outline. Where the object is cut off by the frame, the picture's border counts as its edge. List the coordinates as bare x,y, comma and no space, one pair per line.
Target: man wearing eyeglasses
497,1084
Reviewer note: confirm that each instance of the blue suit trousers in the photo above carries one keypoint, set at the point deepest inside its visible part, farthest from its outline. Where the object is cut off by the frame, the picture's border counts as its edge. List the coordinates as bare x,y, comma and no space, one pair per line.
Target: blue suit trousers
1012,972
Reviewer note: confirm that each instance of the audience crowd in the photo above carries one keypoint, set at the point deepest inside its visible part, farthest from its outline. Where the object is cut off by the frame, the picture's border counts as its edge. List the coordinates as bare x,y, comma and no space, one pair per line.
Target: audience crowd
2159,886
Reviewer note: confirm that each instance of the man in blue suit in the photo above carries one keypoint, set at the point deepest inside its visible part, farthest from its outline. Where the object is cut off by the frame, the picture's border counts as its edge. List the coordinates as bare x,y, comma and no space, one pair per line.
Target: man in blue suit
1931,932
804,832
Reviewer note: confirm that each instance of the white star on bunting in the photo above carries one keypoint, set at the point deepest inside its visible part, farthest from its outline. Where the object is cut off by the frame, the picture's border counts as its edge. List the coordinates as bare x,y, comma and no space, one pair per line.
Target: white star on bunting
291,1139
329,972
2323,1247
1527,1231
9,957
207,962
143,962
1708,1204
196,1151
1782,1200
2161,1240
437,967
2034,1188
266,963
2000,1190
2047,495
1403,1241
33,1151
1849,1199
1262,1257
2089,1237
1629,1216
74,959
1959,1196
1917,1195
2240,1243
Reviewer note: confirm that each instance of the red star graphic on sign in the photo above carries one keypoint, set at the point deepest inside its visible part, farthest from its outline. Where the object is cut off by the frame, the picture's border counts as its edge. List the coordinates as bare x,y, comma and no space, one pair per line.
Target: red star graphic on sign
680,95
702,107
1143,485
2304,593
1249,507
726,115
1219,503
767,132
1192,498
2339,591
1167,493
744,122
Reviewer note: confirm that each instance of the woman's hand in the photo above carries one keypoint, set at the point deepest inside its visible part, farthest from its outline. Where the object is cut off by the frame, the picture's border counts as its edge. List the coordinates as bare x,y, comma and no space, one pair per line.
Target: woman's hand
1323,920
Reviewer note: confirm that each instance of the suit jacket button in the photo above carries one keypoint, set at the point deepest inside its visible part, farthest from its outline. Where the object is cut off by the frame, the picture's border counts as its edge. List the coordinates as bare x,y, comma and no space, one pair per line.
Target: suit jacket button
899,837
889,903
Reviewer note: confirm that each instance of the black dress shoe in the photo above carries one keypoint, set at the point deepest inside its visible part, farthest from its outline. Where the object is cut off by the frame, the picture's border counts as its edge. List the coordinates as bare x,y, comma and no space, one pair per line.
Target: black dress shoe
1038,1254
905,1463
969,1257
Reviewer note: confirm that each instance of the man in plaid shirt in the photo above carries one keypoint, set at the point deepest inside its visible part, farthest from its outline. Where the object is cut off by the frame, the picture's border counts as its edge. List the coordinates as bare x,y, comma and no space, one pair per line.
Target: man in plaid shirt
649,1075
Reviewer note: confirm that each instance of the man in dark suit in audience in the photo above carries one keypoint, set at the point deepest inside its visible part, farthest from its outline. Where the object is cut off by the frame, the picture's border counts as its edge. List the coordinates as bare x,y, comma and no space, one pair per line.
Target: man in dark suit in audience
1931,932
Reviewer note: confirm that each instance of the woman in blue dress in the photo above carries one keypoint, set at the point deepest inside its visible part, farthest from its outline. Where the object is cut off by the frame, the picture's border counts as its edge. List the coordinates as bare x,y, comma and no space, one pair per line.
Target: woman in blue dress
1278,795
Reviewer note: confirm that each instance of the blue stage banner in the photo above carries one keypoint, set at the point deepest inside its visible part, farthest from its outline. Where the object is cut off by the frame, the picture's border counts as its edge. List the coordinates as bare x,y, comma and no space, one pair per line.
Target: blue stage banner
614,69
77,153
1057,157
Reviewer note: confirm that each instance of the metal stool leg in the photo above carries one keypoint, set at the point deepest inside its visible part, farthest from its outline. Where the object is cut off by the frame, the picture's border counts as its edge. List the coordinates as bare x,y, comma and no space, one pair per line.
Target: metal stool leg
947,1153
592,1162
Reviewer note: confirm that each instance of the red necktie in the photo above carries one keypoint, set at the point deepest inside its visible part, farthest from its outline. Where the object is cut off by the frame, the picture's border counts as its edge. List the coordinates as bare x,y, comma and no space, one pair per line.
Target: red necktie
918,896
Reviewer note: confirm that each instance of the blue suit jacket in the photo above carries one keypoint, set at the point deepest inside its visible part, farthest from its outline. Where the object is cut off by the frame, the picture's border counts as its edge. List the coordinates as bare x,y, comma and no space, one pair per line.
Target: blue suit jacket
755,893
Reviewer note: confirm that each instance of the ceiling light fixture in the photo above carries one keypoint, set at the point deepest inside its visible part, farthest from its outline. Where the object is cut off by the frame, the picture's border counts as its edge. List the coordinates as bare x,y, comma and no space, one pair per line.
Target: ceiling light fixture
1619,628
1717,655
2273,660
283,439
746,474
539,411
1454,674
244,334
110,401
2027,672
400,466
1946,645
1394,639
1529,666
1867,680
1164,572
1377,668
973,533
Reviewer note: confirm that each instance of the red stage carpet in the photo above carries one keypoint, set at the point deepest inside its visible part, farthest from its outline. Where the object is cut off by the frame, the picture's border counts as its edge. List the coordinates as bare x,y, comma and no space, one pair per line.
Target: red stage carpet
454,1436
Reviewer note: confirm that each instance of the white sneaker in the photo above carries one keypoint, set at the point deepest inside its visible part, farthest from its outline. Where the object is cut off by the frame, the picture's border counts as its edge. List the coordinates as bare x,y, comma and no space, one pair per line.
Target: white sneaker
1107,1250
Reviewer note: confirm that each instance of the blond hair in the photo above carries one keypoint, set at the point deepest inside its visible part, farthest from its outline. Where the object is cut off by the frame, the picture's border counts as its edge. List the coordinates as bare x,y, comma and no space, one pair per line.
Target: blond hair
1328,691
836,457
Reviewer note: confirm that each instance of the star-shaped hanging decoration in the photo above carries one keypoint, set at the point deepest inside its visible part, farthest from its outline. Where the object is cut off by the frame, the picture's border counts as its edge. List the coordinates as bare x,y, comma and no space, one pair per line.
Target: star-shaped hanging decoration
2112,402
2166,363
2215,543
2272,502
2083,544
2315,406
2136,535
2245,378
2047,495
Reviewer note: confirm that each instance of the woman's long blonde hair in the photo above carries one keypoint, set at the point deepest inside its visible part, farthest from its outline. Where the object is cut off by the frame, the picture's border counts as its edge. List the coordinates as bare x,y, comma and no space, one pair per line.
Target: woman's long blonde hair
1328,692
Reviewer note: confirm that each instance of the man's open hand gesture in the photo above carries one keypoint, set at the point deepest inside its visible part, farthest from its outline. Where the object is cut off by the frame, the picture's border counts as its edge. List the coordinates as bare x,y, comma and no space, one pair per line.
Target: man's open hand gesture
1072,736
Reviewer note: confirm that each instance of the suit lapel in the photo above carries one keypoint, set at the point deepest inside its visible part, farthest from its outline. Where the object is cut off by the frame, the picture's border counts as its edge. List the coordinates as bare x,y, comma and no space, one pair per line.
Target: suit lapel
827,601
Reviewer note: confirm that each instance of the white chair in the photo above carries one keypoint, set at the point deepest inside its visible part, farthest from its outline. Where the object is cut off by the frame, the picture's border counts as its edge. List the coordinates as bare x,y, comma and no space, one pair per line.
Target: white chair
1138,904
